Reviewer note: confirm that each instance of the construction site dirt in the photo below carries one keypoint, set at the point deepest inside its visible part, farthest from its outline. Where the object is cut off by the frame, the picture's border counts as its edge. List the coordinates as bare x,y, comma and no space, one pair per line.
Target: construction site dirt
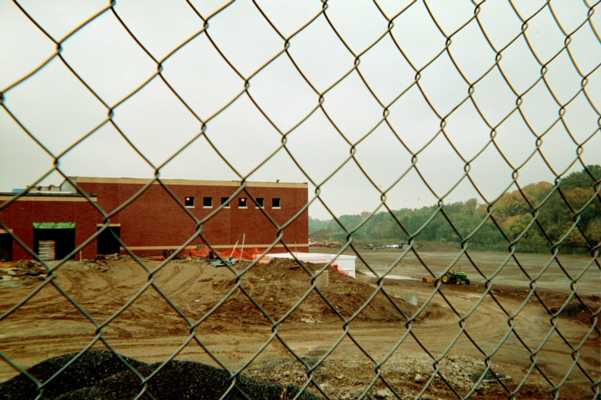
235,330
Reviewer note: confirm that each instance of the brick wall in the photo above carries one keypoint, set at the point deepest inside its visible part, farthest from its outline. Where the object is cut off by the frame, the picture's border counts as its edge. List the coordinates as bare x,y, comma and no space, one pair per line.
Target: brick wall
155,220
21,214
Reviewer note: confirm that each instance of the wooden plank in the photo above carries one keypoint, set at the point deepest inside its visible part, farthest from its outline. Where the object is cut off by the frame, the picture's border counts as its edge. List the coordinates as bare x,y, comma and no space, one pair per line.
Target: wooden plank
46,250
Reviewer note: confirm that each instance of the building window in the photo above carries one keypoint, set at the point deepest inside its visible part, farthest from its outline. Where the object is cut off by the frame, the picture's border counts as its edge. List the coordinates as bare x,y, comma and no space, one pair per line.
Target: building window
242,202
207,202
260,202
276,203
224,201
189,201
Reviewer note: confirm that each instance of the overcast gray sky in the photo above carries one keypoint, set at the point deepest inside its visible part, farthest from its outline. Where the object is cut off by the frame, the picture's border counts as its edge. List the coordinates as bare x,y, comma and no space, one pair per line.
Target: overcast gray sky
58,109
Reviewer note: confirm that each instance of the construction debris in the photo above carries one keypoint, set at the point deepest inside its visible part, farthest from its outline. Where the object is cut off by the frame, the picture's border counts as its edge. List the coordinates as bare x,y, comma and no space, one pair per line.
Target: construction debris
223,262
15,275
341,379
24,268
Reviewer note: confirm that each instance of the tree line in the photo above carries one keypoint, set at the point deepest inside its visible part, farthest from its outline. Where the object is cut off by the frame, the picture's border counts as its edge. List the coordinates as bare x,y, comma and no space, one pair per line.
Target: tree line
534,218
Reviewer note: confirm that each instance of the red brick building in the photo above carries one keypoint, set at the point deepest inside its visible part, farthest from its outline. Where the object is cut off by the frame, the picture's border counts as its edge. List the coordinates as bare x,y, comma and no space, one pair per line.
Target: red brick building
54,223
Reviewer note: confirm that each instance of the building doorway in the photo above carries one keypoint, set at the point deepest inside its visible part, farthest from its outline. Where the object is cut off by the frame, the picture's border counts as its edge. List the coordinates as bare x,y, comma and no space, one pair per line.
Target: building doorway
53,240
107,240
6,247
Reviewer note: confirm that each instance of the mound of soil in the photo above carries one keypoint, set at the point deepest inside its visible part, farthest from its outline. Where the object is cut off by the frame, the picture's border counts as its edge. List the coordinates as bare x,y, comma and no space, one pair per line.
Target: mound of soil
101,375
584,309
278,285
578,311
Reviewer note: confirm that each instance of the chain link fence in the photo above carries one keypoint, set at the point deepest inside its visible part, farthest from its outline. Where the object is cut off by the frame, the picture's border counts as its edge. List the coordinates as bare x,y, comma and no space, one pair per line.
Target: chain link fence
578,350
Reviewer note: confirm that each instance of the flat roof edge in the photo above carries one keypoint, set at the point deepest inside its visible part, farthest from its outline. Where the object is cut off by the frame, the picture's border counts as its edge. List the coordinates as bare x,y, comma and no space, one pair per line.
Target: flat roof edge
191,182
6,196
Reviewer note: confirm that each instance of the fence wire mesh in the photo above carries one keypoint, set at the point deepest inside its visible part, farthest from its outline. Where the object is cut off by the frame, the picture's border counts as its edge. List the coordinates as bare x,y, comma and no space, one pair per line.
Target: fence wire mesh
436,380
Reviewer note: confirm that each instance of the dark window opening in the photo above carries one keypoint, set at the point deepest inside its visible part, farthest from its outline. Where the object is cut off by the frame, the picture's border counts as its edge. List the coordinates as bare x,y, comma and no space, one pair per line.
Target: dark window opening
53,243
275,202
224,201
189,201
6,247
260,202
207,202
242,202
108,242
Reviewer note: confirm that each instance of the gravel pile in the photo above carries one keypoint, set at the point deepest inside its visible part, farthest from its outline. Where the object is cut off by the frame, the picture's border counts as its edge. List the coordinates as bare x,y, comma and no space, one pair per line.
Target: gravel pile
101,375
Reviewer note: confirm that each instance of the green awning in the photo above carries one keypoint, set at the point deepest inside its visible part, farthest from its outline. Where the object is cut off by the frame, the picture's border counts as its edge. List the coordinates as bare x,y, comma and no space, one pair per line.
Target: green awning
54,225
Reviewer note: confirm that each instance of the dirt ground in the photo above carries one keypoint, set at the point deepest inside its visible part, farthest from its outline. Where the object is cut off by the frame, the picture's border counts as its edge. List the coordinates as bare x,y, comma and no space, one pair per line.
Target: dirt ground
129,310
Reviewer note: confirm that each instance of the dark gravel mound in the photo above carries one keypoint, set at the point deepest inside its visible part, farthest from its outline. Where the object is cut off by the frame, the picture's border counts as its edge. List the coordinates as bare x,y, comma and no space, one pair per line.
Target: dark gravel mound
89,369
100,375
